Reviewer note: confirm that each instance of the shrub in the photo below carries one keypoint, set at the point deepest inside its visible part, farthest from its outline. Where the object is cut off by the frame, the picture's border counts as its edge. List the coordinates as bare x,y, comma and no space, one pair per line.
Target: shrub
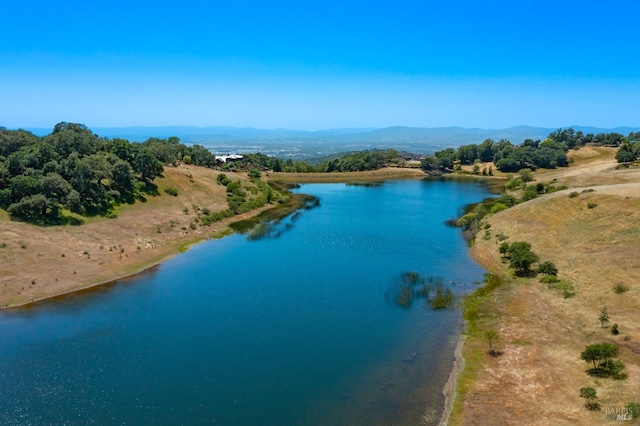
529,193
633,410
620,288
591,205
222,179
498,207
525,175
549,279
614,329
514,184
565,287
500,236
171,191
547,268
573,194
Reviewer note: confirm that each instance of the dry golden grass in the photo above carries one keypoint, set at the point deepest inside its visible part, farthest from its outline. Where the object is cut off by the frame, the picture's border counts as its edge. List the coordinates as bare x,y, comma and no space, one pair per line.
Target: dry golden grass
365,176
41,262
538,378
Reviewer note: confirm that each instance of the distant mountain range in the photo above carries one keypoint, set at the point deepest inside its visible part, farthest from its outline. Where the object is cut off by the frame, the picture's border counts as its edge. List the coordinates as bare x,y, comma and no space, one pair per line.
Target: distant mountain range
298,144
435,135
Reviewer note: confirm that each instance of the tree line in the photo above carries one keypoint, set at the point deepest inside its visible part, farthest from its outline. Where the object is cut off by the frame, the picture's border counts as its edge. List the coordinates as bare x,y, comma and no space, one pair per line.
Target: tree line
530,154
353,162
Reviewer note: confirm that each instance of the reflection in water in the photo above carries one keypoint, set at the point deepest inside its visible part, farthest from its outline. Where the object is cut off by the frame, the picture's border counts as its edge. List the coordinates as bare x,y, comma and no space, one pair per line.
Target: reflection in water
366,184
274,229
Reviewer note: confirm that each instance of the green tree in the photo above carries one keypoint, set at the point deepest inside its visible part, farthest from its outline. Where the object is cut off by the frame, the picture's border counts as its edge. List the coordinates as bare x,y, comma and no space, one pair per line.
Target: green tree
34,208
146,165
589,394
55,187
123,178
521,257
625,154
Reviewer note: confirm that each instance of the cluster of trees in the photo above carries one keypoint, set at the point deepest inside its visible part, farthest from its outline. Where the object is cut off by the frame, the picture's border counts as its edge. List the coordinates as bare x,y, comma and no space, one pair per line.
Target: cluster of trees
74,169
602,355
506,156
547,154
629,150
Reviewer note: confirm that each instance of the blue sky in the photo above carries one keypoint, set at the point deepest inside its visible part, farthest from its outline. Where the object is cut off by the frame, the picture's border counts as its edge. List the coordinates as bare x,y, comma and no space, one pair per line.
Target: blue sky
317,65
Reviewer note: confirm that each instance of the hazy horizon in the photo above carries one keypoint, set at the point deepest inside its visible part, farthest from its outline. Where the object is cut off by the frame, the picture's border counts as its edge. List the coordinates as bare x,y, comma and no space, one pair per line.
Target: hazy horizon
324,65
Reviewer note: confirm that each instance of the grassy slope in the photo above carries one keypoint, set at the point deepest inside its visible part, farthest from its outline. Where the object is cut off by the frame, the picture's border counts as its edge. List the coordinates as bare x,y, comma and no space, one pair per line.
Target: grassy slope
103,249
538,378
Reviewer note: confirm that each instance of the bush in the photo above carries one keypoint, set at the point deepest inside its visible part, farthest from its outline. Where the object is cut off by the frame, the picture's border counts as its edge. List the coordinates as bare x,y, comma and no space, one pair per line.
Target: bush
620,288
222,179
525,175
633,410
614,329
565,287
549,279
171,191
548,268
498,207
515,183
573,194
591,205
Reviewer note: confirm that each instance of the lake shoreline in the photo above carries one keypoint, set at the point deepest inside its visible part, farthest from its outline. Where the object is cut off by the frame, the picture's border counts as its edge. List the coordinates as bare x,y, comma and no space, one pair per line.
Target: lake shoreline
178,245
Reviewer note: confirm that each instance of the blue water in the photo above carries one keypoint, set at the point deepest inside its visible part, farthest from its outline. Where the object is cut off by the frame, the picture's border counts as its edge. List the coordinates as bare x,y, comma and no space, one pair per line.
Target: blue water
290,329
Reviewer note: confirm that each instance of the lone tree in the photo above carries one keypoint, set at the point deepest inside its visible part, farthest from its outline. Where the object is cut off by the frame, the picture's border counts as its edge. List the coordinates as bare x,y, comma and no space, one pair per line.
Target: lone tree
492,337
589,394
521,257
604,316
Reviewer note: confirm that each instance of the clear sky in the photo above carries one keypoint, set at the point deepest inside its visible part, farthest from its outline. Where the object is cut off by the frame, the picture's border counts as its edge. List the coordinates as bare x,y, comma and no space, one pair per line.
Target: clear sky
320,64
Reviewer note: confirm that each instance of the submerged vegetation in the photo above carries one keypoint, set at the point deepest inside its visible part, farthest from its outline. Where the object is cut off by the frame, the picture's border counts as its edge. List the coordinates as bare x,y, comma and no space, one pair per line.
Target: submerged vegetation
412,286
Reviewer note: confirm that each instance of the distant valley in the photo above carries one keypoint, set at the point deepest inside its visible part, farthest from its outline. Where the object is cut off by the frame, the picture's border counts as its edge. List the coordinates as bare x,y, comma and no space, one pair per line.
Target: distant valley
305,145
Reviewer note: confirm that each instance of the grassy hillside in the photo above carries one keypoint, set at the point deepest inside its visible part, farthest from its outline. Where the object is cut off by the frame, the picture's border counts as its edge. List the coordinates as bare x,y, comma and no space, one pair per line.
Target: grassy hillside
593,237
38,262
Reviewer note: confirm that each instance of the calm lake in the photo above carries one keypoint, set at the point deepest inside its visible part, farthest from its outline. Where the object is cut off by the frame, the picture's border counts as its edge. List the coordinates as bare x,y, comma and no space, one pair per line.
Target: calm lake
295,327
